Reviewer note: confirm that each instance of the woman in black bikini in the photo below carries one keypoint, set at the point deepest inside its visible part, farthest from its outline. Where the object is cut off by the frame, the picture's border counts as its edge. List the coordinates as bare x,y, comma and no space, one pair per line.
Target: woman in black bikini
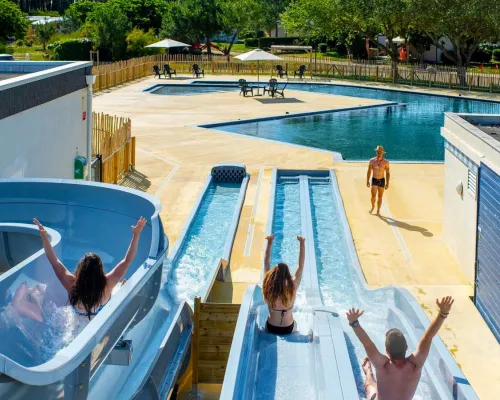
279,289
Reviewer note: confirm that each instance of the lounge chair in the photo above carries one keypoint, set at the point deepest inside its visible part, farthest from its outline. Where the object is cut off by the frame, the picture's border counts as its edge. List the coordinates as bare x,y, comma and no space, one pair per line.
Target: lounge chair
168,71
300,72
280,71
197,71
156,70
245,87
280,91
271,86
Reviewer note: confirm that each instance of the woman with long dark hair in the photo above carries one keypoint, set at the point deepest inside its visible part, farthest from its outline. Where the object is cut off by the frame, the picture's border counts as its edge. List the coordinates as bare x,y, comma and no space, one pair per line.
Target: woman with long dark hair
279,289
89,289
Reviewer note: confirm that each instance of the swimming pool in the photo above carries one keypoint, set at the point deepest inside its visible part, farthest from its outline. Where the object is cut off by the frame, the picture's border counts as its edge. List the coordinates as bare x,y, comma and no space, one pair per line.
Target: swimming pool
409,133
189,89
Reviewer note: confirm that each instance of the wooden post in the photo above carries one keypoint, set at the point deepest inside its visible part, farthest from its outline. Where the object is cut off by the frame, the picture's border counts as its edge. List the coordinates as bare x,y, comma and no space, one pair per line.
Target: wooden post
133,152
195,343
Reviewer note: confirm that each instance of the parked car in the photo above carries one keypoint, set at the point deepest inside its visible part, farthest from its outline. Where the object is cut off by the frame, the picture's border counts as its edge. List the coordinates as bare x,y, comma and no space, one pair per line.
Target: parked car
6,57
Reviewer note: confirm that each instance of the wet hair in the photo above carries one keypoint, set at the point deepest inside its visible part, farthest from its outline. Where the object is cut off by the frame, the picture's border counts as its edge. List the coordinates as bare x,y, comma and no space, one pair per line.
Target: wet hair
395,344
90,284
278,284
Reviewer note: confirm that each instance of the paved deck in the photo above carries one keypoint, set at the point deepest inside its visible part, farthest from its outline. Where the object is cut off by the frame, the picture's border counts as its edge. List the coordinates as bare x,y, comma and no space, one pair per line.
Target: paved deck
405,247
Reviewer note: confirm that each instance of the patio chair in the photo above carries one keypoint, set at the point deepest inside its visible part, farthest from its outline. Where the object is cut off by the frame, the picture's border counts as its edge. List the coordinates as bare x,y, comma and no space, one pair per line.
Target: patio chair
197,71
156,70
280,91
168,71
271,86
280,71
300,72
245,87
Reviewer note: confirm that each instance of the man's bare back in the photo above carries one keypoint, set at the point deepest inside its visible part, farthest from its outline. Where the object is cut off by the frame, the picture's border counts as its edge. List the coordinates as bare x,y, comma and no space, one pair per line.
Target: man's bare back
396,382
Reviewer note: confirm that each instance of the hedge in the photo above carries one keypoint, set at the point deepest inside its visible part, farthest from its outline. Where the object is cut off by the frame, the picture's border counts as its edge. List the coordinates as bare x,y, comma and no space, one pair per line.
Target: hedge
323,47
267,42
496,54
72,50
251,42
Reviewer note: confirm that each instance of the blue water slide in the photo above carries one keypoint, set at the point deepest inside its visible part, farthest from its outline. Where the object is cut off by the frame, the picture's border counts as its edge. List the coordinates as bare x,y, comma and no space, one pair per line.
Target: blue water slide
199,257
263,366
137,346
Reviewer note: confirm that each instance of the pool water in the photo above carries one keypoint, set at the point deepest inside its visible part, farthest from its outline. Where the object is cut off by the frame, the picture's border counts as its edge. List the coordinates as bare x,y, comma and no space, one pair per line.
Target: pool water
409,133
204,242
188,90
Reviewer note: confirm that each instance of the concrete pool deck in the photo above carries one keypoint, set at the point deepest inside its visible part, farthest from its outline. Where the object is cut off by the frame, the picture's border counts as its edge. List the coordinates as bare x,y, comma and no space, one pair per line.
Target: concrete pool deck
174,157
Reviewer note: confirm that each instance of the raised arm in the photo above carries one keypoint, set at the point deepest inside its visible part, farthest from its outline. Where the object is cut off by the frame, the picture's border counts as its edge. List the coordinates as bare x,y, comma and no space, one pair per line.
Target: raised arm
369,174
117,273
376,358
65,277
300,268
267,256
387,175
423,348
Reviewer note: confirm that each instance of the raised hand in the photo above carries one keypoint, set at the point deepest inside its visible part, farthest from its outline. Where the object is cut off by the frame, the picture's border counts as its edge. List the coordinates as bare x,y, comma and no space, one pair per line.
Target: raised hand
301,239
445,304
137,229
353,314
43,232
270,239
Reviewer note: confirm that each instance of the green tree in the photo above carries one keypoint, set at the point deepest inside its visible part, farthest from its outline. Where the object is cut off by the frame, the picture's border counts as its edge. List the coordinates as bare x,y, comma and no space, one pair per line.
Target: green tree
241,15
76,15
144,14
345,19
12,21
108,28
193,20
465,23
272,11
44,32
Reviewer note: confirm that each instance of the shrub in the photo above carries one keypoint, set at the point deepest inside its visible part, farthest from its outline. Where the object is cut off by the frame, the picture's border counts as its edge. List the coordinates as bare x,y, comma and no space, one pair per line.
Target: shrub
20,43
251,42
496,54
5,49
137,40
323,47
28,43
73,50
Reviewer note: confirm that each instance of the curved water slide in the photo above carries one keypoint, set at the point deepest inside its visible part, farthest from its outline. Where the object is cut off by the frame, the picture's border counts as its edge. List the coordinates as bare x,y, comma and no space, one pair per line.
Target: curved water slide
137,345
322,360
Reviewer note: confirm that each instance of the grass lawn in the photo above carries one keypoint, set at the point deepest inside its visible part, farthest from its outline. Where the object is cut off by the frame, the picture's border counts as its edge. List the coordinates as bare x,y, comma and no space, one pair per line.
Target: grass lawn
35,52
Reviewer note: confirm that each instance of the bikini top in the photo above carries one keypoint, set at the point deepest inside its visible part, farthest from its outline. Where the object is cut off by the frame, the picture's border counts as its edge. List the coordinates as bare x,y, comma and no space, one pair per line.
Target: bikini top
93,314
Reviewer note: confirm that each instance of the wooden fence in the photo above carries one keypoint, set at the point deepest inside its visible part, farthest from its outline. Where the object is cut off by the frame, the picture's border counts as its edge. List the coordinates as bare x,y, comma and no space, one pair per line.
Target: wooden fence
112,140
114,74
213,331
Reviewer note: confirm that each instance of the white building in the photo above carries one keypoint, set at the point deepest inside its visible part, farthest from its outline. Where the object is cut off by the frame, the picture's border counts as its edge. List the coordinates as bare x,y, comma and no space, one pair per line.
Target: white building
44,118
471,228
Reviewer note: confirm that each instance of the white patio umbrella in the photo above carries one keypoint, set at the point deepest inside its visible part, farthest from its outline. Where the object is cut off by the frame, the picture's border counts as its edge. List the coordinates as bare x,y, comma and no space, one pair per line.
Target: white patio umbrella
168,44
258,55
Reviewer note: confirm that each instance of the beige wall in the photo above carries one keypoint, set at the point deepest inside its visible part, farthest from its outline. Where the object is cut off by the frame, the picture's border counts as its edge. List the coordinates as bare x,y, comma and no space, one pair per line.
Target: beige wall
41,142
460,215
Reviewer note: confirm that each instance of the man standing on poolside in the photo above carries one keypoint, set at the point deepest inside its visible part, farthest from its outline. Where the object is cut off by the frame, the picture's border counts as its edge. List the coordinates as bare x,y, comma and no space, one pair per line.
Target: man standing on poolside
380,168
397,376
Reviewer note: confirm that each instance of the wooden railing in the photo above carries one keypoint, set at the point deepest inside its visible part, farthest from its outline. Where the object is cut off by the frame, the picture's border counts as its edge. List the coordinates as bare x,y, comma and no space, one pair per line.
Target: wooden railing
112,140
114,74
214,325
